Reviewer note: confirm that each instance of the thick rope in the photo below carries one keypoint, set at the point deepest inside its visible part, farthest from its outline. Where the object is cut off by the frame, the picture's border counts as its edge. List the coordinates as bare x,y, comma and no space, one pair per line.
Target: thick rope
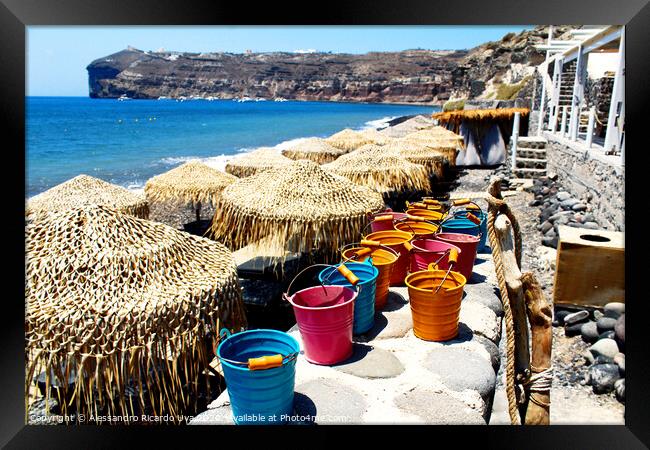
497,206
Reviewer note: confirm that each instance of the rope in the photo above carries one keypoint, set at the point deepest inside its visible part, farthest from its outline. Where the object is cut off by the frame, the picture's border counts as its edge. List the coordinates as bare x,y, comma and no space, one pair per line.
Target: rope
495,207
539,383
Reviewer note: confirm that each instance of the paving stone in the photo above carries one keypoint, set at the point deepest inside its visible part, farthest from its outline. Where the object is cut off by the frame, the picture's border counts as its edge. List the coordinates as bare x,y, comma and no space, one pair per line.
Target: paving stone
393,321
325,400
492,349
485,294
438,408
449,362
371,362
481,320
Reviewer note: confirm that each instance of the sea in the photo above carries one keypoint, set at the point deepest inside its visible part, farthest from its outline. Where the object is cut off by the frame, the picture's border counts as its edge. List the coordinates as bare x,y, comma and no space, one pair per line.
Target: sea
128,142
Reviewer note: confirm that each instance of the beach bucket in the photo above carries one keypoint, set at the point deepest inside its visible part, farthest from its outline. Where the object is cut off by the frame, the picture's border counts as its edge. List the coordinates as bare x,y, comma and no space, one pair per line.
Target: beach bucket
395,239
324,315
474,209
419,228
435,315
427,214
364,305
428,251
382,257
468,246
384,221
260,369
470,224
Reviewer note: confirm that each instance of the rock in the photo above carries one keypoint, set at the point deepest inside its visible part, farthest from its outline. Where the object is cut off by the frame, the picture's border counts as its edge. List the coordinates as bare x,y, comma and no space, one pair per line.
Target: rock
562,196
438,408
550,241
590,225
547,213
371,362
560,314
614,309
448,362
569,203
571,330
492,349
619,360
606,324
544,191
604,347
546,225
619,387
562,220
550,233
579,207
603,377
607,335
589,358
619,328
600,359
324,397
598,314
534,203
557,215
589,332
576,317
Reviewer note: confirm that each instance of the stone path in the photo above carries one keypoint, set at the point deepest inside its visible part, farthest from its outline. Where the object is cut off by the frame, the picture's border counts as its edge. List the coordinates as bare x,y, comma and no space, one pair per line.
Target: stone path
395,378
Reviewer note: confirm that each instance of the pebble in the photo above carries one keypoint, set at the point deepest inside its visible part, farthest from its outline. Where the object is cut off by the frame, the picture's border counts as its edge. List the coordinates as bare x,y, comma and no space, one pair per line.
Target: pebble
576,317
589,332
579,207
614,309
619,359
569,202
619,387
600,359
603,377
607,335
562,196
546,226
619,328
605,324
560,314
590,225
550,241
573,329
598,314
589,358
605,347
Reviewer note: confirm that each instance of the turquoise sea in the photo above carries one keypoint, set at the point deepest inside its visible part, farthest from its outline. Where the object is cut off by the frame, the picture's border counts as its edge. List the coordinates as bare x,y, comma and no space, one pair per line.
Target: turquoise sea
127,142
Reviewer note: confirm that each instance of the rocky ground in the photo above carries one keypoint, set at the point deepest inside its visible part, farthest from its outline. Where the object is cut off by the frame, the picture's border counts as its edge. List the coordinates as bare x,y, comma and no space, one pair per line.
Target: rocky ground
573,398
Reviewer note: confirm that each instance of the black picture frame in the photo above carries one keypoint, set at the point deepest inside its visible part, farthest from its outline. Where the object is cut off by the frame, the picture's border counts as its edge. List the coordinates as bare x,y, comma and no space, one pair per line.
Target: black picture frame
15,15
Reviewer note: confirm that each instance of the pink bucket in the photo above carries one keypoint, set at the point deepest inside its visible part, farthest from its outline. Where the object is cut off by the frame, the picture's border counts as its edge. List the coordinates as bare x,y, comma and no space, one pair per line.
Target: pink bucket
468,245
427,251
384,221
325,315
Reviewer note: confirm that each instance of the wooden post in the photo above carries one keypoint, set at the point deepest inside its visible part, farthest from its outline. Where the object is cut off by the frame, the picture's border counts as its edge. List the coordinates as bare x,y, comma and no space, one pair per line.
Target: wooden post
515,138
563,123
590,126
540,316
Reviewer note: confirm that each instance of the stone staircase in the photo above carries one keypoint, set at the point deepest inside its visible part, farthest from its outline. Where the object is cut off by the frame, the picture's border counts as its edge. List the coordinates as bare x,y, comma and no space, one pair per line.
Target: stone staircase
531,157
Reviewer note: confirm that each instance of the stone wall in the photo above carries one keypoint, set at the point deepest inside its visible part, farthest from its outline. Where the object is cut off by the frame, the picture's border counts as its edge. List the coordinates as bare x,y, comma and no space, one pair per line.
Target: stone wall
595,178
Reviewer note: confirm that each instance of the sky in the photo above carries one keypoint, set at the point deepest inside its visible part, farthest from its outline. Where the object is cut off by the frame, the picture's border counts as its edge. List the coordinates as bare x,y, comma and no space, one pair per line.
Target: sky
57,56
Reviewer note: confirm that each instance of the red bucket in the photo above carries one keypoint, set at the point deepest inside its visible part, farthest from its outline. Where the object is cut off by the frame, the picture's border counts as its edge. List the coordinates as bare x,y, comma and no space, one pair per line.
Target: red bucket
384,221
428,251
468,246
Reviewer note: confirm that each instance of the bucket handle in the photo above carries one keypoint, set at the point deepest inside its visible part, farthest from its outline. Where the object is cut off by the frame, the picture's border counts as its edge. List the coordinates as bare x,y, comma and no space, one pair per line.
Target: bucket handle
360,244
285,296
263,362
466,201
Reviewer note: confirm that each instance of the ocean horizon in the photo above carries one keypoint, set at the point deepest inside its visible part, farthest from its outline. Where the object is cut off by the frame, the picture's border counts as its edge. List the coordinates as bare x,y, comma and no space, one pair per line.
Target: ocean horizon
128,142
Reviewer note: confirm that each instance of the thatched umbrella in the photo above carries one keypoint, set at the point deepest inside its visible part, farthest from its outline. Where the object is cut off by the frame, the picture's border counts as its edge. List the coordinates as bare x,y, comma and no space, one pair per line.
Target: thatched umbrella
384,171
297,207
191,183
349,140
447,144
433,158
86,190
408,126
124,305
313,149
261,159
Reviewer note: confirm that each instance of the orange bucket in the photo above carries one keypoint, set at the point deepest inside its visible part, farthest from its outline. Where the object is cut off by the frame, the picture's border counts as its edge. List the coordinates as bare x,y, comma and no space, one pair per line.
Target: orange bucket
419,229
435,315
395,239
428,214
383,258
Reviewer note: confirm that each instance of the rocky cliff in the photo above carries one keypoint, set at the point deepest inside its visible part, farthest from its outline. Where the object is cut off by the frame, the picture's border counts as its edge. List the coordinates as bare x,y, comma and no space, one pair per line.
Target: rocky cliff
411,76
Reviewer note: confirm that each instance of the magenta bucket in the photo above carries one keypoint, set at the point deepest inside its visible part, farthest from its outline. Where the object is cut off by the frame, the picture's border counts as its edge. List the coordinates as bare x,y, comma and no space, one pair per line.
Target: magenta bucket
384,221
428,251
468,246
325,316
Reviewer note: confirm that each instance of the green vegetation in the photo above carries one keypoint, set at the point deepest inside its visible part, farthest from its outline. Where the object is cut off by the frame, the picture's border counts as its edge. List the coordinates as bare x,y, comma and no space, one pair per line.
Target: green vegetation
454,105
510,91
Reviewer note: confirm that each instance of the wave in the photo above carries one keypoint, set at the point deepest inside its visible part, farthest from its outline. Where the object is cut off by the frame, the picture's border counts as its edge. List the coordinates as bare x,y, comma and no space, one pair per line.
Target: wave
379,124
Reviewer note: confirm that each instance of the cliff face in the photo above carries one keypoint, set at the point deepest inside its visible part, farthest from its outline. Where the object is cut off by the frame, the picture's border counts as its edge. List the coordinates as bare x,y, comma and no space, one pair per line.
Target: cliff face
417,76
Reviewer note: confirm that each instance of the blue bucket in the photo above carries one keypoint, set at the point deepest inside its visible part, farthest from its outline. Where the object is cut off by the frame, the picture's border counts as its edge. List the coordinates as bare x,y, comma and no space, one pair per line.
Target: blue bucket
364,305
463,225
483,217
259,396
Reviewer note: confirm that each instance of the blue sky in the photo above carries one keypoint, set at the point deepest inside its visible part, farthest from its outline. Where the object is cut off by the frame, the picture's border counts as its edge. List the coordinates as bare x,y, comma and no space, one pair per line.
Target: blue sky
57,56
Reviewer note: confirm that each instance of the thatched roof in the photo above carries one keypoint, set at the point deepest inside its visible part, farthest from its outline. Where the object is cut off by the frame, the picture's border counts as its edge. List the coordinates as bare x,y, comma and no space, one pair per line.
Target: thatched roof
124,302
313,149
297,207
190,183
371,165
86,190
349,140
408,126
432,158
479,115
261,159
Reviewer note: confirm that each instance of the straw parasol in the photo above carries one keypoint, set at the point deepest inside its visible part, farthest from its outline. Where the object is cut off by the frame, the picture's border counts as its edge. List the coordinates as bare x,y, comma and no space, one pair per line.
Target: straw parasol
384,171
437,138
313,149
190,183
297,207
261,159
408,126
124,305
454,118
86,190
350,140
432,158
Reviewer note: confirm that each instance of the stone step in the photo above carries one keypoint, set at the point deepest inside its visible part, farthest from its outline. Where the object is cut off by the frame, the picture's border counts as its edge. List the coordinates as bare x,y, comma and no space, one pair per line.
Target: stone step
532,153
529,173
529,163
534,142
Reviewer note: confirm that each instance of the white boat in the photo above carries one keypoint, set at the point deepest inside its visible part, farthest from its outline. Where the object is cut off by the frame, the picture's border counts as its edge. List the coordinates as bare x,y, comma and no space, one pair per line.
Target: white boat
122,97
279,99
